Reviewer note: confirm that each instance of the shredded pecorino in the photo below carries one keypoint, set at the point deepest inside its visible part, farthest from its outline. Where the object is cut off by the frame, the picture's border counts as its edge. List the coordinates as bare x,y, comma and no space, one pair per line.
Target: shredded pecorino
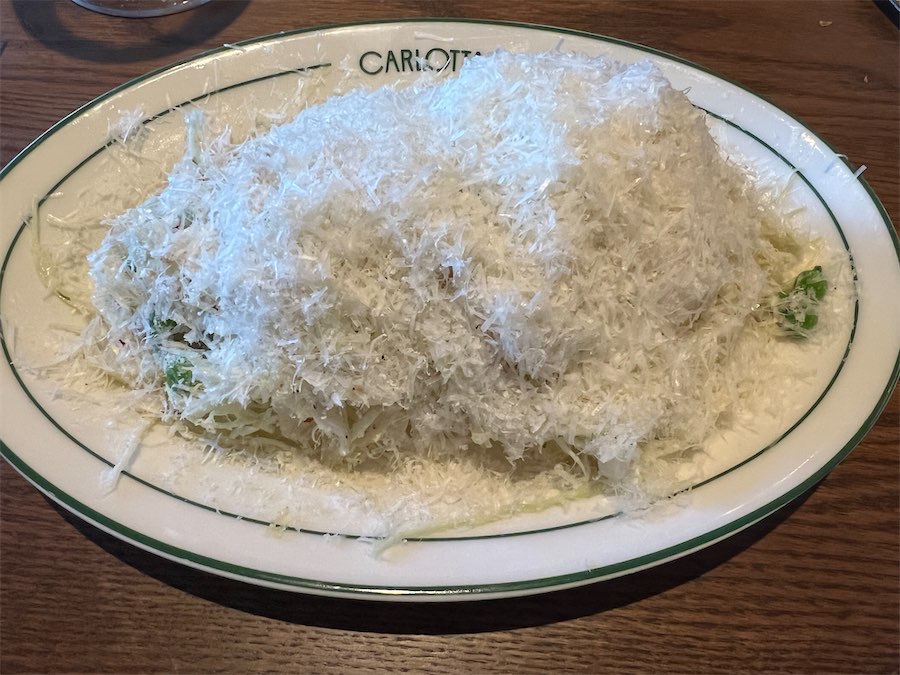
546,254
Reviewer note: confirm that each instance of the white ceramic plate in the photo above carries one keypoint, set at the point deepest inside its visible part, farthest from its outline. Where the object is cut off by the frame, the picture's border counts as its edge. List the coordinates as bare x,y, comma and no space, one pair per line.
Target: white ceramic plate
63,451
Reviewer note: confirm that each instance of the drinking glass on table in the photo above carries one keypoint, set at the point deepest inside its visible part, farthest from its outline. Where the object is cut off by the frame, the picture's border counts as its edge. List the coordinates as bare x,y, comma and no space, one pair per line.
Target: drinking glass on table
139,8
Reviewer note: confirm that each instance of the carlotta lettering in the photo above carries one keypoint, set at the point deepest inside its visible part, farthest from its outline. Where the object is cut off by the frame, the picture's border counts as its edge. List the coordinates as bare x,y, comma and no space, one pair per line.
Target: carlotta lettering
412,60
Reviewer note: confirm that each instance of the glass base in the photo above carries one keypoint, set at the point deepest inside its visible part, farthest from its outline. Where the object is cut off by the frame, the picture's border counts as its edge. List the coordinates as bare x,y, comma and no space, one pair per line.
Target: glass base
139,8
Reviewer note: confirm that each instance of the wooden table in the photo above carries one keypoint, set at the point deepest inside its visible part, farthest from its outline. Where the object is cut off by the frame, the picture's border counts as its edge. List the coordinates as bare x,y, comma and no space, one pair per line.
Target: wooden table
813,588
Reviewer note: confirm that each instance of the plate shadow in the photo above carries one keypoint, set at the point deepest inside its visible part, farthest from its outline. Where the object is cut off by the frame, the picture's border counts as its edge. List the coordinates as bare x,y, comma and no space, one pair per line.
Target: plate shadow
434,618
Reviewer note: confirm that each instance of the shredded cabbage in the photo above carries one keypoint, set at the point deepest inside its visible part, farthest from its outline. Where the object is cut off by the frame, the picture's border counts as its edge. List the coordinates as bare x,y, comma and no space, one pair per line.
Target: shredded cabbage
545,256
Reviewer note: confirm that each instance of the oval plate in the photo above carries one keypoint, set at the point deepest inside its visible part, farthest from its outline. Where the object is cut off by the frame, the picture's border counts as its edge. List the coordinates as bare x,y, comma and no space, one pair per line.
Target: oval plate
47,442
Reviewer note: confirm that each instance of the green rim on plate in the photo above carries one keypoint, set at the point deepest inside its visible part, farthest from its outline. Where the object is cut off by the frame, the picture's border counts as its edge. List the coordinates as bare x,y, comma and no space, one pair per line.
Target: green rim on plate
548,583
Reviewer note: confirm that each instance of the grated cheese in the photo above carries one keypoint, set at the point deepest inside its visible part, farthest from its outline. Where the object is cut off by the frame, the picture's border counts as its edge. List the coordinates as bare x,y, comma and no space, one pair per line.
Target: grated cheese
545,259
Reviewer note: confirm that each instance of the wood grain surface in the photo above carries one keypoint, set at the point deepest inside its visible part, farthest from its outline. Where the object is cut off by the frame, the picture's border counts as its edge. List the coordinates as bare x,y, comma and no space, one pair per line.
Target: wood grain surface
811,589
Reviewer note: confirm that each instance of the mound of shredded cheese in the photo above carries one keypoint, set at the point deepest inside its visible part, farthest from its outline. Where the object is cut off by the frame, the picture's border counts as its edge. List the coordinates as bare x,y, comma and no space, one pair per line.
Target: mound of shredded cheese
545,252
